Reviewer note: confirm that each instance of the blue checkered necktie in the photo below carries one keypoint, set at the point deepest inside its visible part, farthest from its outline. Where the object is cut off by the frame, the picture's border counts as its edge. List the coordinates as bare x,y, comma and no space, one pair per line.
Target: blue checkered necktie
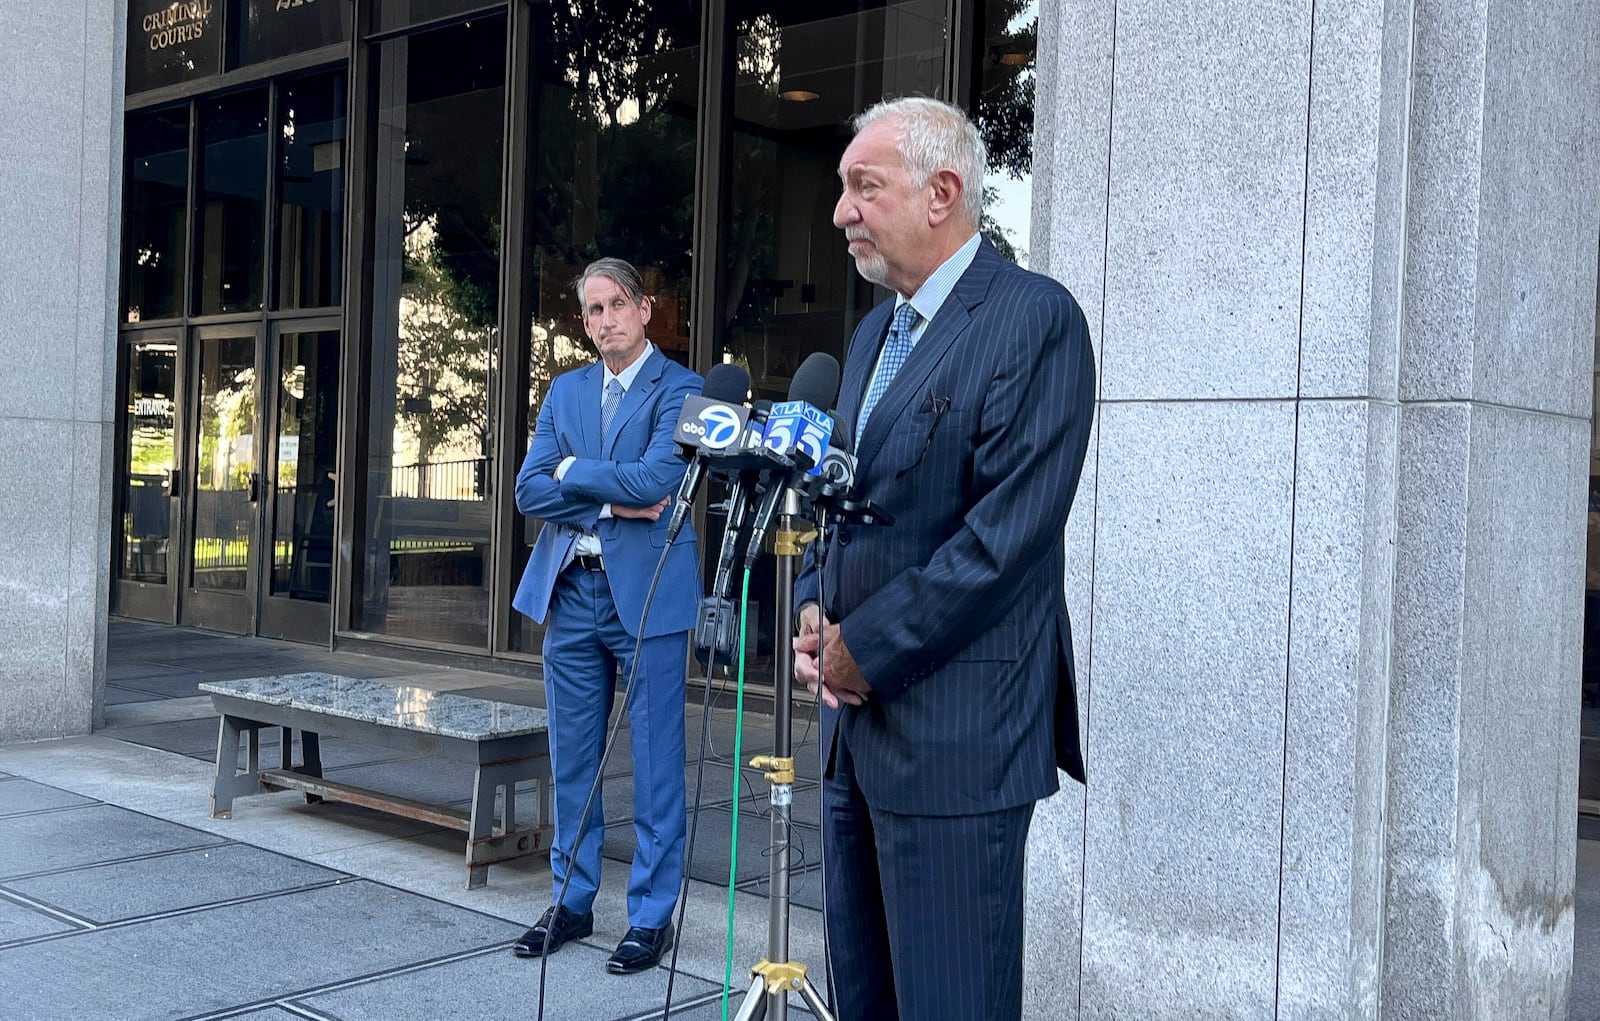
896,349
608,410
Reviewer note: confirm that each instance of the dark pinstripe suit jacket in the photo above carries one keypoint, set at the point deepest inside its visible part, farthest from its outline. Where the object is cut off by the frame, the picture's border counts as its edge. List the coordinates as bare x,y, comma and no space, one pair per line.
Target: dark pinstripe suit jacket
957,613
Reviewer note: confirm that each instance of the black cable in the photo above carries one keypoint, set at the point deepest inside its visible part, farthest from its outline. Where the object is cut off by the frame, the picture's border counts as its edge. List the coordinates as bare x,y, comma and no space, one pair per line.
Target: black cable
821,559
694,823
600,773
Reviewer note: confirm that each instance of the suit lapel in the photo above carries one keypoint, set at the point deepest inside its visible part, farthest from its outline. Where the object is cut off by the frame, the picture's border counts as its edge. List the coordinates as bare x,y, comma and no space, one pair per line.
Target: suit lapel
634,397
589,411
946,327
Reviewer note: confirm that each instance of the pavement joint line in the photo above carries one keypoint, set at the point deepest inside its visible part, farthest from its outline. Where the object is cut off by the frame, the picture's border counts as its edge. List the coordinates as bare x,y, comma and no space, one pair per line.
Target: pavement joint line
48,810
44,908
123,923
164,852
162,696
700,1000
52,809
345,983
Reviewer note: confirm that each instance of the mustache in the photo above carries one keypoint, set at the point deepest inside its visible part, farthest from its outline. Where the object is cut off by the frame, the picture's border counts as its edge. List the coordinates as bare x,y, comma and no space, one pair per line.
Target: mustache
858,234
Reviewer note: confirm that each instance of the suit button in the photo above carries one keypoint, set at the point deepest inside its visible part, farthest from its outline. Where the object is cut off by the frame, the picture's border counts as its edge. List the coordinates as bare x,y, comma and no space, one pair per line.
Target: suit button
844,537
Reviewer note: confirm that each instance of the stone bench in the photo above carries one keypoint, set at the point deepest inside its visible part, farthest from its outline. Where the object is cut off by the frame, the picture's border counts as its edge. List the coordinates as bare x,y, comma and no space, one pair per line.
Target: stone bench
504,743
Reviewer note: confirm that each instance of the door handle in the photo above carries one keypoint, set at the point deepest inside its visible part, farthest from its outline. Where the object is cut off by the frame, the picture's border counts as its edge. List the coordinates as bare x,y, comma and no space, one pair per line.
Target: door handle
255,486
174,477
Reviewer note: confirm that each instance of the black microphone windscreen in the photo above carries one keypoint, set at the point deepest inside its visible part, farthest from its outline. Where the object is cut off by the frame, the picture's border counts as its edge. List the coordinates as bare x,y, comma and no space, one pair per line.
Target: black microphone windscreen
841,433
726,382
816,381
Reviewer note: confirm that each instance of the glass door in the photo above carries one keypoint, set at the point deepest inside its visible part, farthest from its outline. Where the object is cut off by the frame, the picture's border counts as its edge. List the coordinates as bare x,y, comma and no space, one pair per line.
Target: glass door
148,480
301,462
223,484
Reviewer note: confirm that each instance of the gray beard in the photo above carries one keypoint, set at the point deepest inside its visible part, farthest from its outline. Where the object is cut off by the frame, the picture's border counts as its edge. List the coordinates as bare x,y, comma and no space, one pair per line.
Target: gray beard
873,269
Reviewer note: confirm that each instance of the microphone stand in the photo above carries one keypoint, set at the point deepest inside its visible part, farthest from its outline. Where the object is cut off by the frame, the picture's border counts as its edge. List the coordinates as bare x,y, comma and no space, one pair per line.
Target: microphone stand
775,976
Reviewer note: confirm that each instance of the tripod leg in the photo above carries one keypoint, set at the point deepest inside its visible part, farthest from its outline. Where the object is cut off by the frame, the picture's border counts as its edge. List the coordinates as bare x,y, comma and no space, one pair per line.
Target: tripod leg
808,993
754,1007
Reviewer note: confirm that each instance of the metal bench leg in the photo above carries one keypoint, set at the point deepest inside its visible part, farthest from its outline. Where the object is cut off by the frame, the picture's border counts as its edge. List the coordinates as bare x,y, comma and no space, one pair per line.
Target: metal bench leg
311,755
252,751
547,812
230,783
486,781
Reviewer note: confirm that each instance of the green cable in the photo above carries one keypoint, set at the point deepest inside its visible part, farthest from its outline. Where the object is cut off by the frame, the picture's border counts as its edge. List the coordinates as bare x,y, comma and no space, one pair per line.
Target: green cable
738,741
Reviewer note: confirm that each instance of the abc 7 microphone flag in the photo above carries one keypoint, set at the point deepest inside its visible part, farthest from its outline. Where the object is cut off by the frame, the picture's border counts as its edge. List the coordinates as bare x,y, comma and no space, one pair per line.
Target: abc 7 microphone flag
709,424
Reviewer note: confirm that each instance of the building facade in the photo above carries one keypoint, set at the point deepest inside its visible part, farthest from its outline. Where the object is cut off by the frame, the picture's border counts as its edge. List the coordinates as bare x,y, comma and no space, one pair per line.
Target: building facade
349,236
1339,264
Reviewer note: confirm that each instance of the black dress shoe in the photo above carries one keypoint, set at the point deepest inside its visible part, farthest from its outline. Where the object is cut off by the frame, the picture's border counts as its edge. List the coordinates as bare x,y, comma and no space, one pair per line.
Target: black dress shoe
640,949
554,927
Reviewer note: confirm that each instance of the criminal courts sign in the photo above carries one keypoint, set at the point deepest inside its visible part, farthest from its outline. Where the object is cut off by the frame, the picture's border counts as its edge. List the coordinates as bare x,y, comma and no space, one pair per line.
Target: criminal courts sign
172,41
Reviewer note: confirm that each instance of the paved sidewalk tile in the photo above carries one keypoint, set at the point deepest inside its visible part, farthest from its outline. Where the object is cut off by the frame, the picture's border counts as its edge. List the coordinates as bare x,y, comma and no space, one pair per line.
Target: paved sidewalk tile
576,987
127,696
17,796
110,893
18,921
87,836
258,952
172,684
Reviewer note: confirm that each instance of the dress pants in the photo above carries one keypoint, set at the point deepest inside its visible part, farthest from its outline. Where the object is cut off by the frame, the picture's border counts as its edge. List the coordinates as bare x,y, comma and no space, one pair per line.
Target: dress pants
585,644
924,912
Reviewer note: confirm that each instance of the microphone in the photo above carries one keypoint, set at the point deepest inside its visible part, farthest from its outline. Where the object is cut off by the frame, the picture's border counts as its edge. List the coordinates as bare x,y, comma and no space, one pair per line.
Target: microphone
798,427
713,420
830,486
837,468
793,429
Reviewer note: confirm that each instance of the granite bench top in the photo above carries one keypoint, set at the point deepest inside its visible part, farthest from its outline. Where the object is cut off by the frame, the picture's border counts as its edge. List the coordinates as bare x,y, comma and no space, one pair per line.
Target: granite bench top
388,705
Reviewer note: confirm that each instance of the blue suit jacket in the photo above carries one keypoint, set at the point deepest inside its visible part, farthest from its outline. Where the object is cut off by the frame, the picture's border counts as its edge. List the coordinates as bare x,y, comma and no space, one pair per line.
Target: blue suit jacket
636,469
957,612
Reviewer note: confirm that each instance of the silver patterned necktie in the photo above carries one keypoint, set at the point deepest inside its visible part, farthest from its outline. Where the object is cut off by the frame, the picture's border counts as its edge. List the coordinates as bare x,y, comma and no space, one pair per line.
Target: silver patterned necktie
608,410
896,349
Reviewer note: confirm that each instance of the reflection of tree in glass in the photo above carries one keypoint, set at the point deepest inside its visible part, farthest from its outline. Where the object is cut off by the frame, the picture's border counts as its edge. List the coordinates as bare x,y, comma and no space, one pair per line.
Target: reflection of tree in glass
553,353
1005,102
752,246
607,51
446,329
616,166
225,459
150,449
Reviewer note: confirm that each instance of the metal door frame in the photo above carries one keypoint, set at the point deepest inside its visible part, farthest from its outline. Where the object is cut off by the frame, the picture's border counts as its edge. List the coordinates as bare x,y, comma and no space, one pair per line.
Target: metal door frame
277,616
143,600
232,612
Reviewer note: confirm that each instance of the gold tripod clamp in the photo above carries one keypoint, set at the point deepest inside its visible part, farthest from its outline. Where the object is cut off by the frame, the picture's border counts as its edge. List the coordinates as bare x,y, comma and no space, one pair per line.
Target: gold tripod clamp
778,770
782,977
792,542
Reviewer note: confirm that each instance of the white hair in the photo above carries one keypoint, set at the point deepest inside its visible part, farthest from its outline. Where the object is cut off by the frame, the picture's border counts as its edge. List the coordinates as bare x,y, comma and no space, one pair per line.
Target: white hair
933,135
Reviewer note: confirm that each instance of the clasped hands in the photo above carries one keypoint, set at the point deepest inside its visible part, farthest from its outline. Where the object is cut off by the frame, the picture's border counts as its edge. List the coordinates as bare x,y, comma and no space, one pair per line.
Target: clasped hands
821,659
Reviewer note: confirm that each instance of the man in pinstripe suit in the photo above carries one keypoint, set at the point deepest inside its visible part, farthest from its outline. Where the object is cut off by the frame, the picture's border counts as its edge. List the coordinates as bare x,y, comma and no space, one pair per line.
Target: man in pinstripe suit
945,655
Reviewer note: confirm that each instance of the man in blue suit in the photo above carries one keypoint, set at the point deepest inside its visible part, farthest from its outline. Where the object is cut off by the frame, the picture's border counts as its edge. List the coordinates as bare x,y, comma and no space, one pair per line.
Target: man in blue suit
945,655
599,472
